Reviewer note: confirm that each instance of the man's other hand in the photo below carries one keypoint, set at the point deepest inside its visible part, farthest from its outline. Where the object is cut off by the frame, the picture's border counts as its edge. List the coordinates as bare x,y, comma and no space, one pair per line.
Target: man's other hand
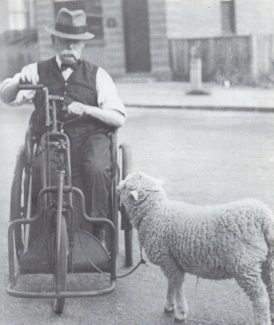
76,108
28,76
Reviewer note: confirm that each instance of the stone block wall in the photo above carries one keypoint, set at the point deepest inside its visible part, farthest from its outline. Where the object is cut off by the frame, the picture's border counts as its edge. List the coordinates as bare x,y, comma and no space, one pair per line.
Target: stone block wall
158,39
110,52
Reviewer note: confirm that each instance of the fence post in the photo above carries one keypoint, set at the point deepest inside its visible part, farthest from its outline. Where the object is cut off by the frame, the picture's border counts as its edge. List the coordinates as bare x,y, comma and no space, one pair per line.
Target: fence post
254,56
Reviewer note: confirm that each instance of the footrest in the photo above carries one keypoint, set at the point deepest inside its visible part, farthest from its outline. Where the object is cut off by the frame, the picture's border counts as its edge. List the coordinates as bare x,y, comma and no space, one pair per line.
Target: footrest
88,255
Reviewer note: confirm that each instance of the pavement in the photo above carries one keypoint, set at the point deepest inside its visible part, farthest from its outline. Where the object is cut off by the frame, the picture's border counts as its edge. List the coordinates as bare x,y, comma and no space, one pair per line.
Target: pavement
153,94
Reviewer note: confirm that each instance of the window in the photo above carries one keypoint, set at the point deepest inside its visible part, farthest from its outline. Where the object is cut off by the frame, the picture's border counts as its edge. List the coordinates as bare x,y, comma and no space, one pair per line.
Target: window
17,15
21,14
93,9
228,16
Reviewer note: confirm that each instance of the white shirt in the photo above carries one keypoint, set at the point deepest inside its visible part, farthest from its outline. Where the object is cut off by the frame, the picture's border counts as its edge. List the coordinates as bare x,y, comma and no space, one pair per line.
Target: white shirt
106,90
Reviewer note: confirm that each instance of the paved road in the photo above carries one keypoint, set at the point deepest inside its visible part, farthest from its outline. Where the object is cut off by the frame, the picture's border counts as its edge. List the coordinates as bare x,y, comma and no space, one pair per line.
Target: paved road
205,157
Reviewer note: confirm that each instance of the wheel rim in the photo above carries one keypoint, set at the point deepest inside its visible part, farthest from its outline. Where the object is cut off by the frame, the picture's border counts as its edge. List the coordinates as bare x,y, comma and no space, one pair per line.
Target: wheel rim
60,269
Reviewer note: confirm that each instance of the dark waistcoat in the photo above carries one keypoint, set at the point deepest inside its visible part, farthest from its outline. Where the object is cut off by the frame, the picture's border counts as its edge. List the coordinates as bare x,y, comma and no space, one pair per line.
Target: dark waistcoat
80,87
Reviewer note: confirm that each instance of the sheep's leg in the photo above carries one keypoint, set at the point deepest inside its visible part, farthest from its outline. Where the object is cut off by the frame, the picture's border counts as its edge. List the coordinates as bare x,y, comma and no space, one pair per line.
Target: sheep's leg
256,291
175,298
170,297
268,278
182,307
176,301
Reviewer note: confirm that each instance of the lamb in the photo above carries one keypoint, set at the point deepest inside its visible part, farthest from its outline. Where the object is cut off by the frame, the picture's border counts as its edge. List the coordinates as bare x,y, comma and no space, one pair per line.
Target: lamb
234,240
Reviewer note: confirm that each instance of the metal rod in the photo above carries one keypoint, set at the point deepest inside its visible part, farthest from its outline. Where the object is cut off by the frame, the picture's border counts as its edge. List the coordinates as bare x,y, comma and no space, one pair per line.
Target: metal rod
12,278
54,117
59,220
46,103
68,294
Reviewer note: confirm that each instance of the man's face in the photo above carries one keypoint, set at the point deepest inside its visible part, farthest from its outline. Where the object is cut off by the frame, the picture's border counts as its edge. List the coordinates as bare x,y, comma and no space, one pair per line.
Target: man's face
69,51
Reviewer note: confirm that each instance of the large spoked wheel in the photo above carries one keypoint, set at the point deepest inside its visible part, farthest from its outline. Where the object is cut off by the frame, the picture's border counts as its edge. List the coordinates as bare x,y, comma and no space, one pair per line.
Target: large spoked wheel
61,265
126,168
18,202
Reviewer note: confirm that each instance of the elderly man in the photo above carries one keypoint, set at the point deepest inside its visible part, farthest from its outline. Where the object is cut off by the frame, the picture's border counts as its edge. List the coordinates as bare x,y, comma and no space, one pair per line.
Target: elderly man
93,107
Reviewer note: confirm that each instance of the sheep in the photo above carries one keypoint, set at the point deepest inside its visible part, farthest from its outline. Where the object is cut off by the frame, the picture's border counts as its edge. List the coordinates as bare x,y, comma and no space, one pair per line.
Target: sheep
233,240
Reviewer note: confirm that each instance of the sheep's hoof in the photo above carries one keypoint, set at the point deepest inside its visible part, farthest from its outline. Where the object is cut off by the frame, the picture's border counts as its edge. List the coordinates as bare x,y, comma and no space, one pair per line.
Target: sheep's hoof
180,317
169,309
179,320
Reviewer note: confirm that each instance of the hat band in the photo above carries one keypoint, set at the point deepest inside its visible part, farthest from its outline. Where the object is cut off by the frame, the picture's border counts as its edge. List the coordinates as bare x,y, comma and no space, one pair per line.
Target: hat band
71,29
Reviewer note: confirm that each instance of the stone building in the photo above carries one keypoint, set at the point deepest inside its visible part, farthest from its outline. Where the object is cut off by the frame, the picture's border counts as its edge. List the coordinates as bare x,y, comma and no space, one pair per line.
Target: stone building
235,37
153,38
130,34
214,18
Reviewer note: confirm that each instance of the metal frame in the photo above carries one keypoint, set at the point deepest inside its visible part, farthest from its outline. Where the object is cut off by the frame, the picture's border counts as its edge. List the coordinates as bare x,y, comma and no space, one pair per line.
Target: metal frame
13,277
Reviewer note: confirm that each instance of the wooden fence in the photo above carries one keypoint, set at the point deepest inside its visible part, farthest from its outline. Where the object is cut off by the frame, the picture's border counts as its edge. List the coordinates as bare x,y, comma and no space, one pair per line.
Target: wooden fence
222,58
18,48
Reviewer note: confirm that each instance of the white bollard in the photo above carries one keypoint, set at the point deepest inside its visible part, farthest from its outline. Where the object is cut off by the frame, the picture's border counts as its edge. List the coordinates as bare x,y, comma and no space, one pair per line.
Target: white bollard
196,73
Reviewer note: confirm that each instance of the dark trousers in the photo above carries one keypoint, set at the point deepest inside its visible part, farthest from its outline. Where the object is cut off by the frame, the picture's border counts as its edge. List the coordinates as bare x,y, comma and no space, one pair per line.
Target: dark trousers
91,172
91,167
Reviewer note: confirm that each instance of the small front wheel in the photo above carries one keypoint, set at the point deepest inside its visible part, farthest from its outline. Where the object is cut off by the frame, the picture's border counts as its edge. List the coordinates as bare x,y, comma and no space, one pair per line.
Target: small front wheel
61,266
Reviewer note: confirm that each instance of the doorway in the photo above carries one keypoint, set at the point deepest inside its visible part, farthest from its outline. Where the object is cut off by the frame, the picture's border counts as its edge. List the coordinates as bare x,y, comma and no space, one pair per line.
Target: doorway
136,29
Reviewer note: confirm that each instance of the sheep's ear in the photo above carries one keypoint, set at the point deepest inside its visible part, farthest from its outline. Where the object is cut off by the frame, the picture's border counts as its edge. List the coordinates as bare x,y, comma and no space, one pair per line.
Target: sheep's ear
134,194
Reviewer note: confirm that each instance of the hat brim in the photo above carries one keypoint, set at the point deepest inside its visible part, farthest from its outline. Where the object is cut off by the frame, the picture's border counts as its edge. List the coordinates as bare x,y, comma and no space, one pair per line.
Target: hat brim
81,37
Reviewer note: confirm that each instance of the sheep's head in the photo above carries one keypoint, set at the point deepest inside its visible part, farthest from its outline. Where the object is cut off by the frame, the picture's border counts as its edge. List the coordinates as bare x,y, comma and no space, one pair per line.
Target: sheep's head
136,188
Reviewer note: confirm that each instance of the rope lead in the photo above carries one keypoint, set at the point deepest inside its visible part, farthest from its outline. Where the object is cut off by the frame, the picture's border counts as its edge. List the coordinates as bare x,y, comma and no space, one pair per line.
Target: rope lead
142,261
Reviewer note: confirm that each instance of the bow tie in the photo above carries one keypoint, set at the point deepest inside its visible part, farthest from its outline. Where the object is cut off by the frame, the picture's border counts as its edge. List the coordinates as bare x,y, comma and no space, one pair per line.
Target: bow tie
65,66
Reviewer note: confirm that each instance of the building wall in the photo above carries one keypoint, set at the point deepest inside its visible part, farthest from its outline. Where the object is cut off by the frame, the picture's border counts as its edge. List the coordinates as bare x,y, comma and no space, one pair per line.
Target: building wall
4,22
16,15
254,17
158,39
193,19
107,52
110,52
113,52
44,17
196,18
254,20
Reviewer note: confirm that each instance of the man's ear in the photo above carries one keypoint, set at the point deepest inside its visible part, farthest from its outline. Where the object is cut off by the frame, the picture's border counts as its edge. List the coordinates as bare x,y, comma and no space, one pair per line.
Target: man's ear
134,194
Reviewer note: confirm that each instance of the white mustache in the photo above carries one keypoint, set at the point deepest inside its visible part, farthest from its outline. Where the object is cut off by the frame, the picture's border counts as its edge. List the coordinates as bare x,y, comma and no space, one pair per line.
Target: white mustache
75,57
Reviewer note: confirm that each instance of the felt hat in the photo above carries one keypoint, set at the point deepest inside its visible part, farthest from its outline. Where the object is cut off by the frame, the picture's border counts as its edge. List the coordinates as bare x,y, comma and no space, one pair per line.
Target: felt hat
71,24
